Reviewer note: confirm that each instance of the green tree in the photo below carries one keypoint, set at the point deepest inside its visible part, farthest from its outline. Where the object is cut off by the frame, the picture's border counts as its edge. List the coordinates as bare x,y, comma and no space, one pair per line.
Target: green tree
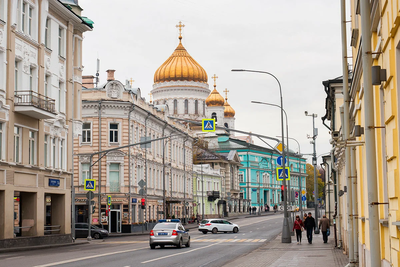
310,183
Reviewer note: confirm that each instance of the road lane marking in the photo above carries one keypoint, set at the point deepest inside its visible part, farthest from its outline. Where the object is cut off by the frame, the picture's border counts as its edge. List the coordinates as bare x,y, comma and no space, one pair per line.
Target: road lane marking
256,240
262,240
13,258
172,255
88,257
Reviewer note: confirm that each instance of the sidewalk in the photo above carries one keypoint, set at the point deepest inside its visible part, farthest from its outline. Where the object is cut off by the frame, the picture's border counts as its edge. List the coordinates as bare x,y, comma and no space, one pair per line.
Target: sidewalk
275,254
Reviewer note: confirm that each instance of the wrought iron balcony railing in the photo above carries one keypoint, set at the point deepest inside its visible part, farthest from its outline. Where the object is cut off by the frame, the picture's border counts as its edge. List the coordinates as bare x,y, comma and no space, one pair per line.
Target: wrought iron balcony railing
32,98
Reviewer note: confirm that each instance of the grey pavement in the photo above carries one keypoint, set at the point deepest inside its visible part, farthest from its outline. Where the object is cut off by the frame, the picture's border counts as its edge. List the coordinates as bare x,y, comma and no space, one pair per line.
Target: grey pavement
276,254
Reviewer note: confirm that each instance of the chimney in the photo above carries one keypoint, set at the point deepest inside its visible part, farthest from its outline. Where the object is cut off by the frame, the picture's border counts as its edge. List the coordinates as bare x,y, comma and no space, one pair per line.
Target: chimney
110,75
87,81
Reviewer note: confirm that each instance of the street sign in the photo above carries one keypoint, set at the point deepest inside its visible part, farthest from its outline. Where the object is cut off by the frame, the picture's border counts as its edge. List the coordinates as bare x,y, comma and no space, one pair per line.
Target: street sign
279,172
142,183
90,202
142,192
134,200
303,198
296,194
144,139
109,200
254,189
303,192
208,125
90,185
279,161
90,195
279,147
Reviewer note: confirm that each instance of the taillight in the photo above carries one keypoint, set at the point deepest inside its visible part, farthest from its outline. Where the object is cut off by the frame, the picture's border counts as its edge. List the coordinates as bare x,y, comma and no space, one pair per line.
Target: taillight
208,224
151,233
174,232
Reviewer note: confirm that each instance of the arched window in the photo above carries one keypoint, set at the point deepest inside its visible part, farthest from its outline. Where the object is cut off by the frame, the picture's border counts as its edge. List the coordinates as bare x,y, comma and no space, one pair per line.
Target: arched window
196,107
204,107
186,106
175,106
226,125
214,116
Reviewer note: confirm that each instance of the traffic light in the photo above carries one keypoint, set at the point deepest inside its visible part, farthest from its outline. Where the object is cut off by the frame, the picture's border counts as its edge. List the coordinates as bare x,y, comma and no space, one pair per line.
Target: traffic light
143,203
282,193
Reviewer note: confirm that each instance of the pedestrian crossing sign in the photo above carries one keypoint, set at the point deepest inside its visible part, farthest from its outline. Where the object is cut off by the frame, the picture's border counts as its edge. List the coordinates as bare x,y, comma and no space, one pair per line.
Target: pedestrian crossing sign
208,125
279,174
90,185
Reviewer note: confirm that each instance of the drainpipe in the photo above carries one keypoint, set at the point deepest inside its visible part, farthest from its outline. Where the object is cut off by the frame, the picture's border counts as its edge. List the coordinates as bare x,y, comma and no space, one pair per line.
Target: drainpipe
72,154
145,168
248,182
184,180
370,150
163,163
99,170
346,130
354,204
129,160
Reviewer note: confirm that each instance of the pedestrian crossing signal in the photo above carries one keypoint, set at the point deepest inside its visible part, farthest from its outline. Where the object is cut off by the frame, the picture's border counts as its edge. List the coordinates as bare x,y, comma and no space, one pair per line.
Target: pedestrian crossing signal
208,125
90,185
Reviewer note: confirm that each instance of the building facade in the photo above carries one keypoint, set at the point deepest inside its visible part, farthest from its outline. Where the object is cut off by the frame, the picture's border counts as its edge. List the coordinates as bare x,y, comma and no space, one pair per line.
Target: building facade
115,115
40,80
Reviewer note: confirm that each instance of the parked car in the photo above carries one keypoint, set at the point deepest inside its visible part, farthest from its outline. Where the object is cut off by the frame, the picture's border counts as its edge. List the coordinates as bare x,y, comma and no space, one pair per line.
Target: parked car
169,232
81,230
217,225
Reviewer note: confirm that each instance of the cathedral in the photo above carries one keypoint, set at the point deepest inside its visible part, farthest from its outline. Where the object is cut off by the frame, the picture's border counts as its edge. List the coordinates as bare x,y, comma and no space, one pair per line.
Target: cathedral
182,84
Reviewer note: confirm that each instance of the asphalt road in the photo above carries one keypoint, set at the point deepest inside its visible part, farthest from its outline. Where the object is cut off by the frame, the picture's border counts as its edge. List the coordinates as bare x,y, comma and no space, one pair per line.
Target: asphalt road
129,251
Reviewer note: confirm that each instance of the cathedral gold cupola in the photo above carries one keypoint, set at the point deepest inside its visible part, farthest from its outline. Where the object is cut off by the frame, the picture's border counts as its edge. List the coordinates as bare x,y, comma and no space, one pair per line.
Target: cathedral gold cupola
215,99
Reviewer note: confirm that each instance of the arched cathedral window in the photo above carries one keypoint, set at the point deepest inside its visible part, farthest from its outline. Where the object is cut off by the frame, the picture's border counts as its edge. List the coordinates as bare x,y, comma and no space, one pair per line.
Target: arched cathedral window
214,116
196,107
175,106
186,106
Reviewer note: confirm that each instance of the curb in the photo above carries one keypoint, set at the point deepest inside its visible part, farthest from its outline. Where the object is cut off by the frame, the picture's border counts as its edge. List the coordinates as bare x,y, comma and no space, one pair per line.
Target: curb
5,250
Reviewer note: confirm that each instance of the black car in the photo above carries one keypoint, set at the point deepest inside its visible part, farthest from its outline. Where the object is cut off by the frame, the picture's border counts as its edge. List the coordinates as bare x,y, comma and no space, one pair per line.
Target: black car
81,230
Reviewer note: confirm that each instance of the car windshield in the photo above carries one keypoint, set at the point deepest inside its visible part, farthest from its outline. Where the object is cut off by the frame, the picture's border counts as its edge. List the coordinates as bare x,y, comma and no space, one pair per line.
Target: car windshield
95,227
204,221
161,226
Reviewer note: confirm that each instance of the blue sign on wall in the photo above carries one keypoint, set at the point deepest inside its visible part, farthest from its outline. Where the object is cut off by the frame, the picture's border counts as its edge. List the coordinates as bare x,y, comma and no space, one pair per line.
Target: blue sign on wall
303,198
54,182
254,189
134,200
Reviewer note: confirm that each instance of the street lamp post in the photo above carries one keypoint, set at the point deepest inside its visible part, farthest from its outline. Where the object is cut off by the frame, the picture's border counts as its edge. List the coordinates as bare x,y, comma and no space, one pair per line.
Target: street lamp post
314,161
286,236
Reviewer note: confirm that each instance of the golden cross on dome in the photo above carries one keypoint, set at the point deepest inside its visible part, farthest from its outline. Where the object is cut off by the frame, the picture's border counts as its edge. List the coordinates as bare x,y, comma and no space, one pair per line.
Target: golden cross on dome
215,77
150,98
226,91
180,26
131,81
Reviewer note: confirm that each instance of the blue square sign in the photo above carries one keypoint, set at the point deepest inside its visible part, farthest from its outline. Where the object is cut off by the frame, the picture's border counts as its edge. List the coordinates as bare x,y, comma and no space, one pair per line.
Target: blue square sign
279,172
208,125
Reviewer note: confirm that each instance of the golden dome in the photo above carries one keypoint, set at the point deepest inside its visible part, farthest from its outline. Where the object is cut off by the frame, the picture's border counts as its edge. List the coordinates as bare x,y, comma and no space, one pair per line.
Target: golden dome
180,66
215,99
229,112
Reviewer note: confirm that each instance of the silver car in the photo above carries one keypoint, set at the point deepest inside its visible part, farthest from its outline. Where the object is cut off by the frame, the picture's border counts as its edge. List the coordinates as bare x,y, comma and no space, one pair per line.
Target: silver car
169,232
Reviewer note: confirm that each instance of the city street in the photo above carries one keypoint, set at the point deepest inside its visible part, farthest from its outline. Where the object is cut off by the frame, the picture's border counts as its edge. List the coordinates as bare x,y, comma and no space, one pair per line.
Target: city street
206,250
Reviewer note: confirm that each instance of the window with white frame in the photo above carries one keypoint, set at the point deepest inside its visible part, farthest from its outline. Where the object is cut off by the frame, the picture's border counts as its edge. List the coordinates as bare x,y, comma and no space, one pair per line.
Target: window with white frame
17,144
26,17
114,131
47,85
62,152
1,140
32,79
46,150
53,152
47,33
258,177
61,41
265,178
86,132
32,148
2,10
61,97
113,177
84,173
16,75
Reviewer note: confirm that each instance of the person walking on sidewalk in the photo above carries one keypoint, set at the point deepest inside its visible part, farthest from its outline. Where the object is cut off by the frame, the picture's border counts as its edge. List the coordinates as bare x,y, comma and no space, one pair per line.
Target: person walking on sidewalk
298,226
324,226
309,223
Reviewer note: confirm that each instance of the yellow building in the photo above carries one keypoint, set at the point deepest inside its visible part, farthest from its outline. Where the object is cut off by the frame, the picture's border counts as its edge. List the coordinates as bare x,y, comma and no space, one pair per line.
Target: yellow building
365,120
40,77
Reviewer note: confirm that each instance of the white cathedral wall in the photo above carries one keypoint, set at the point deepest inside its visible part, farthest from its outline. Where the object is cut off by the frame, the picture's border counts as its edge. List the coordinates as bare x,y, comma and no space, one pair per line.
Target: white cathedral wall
220,114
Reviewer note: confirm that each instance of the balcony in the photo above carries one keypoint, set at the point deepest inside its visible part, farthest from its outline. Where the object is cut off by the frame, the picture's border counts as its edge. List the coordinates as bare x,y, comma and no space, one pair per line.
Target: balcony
34,105
212,195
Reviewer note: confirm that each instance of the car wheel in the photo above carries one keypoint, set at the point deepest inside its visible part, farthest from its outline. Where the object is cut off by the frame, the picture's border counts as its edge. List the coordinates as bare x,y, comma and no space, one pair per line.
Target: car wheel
96,236
179,244
152,246
205,232
188,243
214,230
235,230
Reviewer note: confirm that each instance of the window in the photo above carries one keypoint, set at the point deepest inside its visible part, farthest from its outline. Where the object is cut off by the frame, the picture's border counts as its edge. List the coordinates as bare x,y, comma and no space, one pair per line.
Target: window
60,41
31,79
60,97
214,116
241,177
16,75
113,132
196,107
86,132
53,145
175,106
46,85
84,173
26,18
32,148
23,16
1,140
113,176
62,142
30,20
17,144
47,33
186,106
46,150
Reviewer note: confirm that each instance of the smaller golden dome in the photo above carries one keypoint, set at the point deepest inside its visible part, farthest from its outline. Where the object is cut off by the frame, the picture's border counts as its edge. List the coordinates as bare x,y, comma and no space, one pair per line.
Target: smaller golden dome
229,112
215,99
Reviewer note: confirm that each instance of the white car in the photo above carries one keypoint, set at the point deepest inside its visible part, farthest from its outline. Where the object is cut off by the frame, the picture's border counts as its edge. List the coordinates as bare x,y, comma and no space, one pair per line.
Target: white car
217,225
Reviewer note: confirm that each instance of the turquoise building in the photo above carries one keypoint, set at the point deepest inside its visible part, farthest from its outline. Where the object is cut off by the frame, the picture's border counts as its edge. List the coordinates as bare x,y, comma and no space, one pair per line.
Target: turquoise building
257,175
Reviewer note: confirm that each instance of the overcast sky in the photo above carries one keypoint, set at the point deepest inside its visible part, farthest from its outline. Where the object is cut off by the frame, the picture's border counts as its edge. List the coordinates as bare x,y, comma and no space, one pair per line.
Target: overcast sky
297,41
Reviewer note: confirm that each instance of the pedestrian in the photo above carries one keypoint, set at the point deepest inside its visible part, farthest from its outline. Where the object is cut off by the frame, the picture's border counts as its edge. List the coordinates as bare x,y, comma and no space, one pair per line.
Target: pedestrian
309,224
324,227
275,208
304,217
298,226
254,210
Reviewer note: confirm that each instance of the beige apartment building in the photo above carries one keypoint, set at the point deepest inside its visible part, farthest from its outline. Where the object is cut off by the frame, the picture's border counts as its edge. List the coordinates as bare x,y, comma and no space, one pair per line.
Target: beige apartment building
40,80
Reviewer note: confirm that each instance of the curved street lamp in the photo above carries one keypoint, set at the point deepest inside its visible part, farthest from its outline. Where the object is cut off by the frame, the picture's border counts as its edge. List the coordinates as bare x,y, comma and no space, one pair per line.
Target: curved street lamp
286,236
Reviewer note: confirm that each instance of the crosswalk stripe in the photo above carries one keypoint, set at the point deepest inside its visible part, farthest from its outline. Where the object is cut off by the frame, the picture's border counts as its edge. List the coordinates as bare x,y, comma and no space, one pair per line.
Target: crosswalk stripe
255,240
229,240
262,240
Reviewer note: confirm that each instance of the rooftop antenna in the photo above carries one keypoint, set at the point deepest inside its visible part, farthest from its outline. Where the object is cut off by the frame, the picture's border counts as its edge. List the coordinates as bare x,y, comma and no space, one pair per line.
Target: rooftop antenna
97,72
